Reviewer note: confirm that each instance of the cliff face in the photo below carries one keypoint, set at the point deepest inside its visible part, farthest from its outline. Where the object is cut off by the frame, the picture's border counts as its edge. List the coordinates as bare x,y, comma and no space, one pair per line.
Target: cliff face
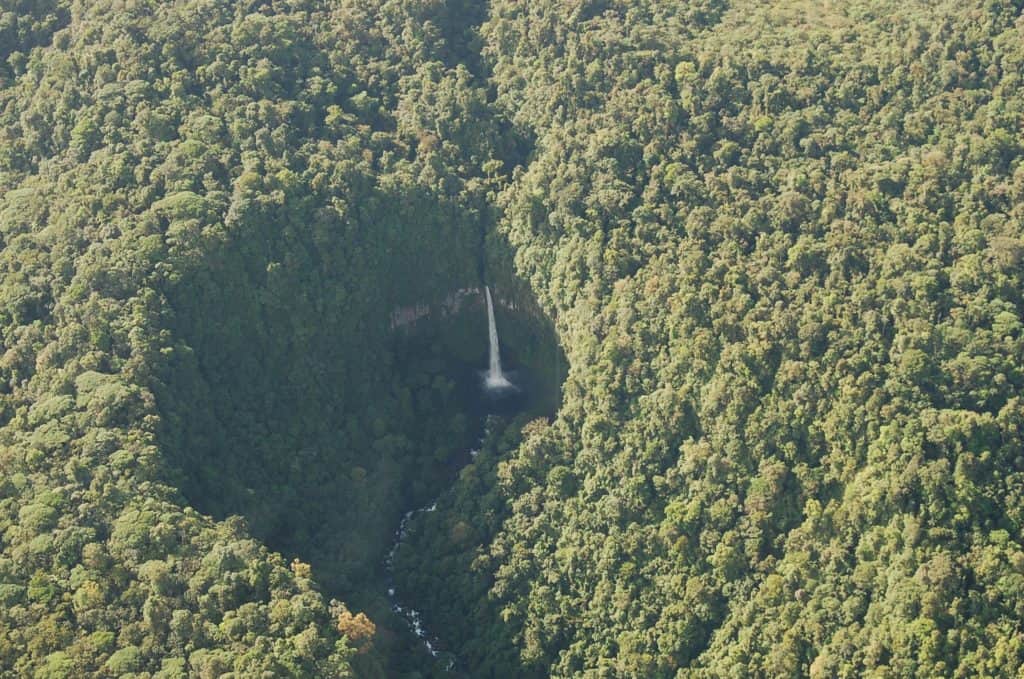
459,300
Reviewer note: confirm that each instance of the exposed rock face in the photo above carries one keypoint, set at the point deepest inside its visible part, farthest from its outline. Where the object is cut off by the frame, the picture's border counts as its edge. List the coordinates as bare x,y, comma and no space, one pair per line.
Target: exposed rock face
452,304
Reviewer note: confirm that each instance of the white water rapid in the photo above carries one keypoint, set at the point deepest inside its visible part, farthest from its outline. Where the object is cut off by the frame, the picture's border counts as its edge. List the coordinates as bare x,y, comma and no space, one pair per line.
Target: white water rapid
411,615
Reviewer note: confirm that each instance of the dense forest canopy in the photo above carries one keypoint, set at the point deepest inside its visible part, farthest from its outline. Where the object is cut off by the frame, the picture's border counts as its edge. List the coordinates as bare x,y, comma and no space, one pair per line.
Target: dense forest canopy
781,244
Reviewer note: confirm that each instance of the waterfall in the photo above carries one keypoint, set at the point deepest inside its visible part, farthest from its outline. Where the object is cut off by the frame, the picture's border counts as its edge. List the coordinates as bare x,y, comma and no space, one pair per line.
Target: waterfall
495,377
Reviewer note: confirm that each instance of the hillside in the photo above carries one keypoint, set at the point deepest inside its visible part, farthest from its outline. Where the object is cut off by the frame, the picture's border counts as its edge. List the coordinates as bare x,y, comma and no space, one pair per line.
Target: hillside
773,252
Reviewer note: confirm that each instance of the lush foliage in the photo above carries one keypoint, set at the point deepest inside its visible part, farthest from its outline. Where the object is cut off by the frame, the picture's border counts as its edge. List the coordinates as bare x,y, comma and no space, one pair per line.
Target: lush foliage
781,243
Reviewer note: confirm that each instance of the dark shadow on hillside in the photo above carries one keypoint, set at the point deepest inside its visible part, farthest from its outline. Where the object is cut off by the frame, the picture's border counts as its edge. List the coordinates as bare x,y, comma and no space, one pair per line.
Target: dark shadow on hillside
289,399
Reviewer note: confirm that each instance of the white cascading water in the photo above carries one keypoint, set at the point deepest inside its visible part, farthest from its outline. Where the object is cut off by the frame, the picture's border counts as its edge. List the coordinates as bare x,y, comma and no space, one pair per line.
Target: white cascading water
495,377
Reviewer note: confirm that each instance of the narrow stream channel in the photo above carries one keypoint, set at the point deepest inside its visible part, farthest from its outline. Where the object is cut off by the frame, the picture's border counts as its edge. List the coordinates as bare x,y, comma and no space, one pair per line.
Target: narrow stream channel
413,617
434,645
